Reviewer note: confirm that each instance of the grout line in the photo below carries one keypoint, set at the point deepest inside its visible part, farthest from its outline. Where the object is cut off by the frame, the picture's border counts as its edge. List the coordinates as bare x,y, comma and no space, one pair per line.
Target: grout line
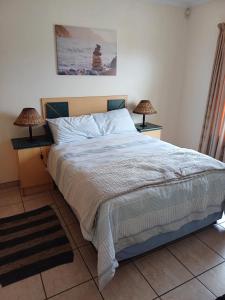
203,242
9,185
90,273
194,276
98,289
78,249
22,202
177,287
54,202
68,289
179,284
43,286
133,263
210,269
180,262
12,203
186,283
206,287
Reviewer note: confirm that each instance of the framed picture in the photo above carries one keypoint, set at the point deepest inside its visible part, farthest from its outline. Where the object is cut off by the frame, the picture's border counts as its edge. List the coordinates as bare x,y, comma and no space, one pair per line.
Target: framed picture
85,51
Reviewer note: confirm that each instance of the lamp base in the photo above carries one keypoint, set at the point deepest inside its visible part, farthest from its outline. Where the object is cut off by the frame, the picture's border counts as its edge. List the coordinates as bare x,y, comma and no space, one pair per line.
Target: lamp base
30,133
143,125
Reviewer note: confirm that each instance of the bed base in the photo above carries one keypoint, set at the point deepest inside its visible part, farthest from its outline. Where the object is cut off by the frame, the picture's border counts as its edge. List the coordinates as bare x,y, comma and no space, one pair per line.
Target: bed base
166,238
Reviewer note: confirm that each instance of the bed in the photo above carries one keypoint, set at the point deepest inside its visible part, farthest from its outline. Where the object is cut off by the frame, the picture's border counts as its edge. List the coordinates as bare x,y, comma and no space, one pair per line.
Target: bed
133,193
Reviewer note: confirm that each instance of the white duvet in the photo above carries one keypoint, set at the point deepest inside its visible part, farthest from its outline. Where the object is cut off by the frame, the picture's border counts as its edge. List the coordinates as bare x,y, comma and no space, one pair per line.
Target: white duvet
127,188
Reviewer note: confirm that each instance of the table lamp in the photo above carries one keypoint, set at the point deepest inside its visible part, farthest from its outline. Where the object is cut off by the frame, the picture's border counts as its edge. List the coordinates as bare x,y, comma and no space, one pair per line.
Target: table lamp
29,117
144,107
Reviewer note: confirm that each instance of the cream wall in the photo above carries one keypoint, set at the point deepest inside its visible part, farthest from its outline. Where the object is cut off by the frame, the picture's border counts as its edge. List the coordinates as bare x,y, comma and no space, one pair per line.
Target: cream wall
202,34
150,59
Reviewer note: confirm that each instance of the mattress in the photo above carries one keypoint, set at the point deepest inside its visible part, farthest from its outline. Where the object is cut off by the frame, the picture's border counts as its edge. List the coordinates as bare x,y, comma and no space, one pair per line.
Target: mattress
128,188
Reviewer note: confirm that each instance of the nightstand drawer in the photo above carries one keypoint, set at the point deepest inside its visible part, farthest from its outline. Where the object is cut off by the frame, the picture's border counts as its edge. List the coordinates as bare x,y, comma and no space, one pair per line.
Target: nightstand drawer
154,133
32,162
32,167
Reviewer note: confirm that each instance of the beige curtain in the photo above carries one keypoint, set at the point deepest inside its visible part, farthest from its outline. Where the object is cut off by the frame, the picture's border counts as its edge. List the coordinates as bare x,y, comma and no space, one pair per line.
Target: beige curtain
213,133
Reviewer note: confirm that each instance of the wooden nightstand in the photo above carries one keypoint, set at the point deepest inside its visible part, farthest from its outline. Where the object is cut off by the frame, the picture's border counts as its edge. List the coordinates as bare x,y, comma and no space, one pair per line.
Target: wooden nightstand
150,130
32,161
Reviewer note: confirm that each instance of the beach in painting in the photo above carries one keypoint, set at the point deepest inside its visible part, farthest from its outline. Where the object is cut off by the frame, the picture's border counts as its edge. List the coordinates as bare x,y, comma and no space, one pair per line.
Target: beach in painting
85,51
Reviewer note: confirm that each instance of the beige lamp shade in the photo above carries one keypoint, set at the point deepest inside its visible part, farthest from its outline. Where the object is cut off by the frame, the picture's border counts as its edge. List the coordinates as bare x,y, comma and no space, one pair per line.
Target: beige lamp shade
145,107
29,117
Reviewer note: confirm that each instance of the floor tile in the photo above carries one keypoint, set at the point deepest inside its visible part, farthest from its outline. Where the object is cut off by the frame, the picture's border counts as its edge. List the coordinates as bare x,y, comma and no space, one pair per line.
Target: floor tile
72,242
28,289
89,255
58,213
76,233
128,284
214,280
85,291
69,219
43,195
13,209
192,290
58,197
10,196
65,276
9,185
37,202
67,214
214,237
195,255
162,270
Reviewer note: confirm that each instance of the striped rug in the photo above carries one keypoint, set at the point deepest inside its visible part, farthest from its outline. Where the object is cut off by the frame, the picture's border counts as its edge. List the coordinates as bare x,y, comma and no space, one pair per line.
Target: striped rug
30,243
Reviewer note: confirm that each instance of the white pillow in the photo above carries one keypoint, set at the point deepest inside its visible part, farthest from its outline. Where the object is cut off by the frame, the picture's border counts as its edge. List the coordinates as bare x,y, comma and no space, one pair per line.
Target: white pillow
73,129
115,121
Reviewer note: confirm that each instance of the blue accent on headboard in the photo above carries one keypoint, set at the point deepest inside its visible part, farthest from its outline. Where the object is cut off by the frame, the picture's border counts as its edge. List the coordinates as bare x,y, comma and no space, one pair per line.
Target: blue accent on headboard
115,104
57,110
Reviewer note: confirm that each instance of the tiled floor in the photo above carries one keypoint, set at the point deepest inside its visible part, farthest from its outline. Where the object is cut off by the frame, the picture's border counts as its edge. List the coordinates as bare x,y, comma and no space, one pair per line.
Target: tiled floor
188,269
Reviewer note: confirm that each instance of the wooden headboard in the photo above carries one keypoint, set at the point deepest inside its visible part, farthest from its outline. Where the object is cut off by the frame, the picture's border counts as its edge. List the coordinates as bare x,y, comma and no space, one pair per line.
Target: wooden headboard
76,106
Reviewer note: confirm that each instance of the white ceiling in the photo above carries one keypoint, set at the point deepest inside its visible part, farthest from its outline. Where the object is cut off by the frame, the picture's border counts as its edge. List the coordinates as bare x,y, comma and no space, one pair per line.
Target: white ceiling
183,3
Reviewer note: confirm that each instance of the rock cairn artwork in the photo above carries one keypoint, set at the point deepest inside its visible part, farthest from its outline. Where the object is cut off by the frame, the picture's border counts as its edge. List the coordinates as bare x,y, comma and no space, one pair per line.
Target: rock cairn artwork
96,59
85,51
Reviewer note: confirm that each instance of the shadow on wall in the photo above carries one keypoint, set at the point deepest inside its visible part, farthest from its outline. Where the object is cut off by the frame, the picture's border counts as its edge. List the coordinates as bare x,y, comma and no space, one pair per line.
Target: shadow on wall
8,130
8,156
8,160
